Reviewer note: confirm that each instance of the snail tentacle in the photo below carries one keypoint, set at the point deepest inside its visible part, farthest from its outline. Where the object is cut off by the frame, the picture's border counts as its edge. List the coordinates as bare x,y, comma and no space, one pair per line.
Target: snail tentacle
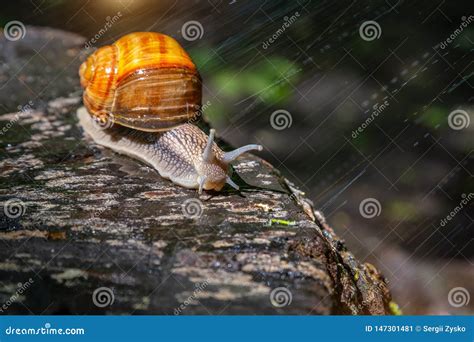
207,154
233,155
231,183
201,182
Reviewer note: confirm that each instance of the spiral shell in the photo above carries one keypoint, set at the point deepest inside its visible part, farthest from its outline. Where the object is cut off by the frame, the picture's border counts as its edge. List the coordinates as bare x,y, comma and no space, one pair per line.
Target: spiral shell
145,81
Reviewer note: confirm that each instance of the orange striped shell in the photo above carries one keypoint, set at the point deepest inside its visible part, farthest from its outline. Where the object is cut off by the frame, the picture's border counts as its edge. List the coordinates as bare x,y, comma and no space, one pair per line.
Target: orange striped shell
145,81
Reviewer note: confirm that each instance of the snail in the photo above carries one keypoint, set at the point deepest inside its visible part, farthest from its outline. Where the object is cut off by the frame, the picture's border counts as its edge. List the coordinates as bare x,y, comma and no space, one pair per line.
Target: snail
143,93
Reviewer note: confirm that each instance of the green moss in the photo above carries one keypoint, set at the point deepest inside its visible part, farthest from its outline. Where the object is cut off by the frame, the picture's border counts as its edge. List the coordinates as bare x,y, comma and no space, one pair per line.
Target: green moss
395,309
281,222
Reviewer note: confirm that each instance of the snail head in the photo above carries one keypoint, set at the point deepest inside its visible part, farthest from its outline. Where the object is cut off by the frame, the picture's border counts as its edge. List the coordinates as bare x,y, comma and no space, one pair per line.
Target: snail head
213,169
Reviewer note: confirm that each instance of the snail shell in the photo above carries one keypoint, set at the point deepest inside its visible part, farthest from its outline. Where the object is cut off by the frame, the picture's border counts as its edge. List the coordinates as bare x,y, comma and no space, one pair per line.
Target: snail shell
141,85
145,81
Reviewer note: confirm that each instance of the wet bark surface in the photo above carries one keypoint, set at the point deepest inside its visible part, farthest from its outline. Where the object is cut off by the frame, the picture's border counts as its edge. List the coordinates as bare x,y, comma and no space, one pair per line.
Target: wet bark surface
84,230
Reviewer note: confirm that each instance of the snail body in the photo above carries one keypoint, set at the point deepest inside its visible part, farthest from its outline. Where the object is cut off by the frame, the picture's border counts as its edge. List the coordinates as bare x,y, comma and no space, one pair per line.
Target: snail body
140,94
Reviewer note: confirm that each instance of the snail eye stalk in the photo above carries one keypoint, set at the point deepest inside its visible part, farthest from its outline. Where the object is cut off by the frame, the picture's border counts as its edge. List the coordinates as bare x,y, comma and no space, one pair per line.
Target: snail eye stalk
201,181
233,155
231,183
207,154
